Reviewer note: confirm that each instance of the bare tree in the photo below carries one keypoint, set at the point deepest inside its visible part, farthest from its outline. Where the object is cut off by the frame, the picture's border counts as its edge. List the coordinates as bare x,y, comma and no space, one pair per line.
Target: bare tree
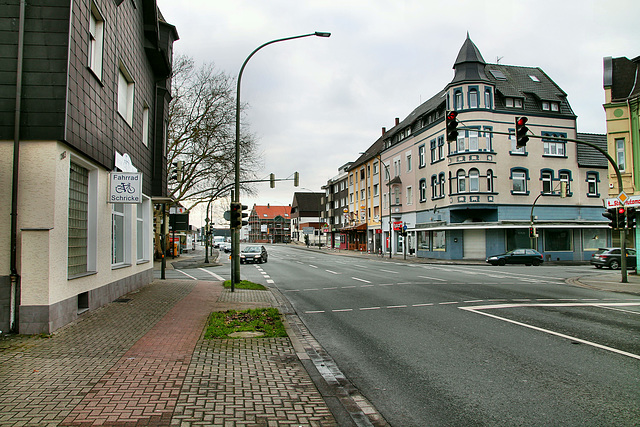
201,134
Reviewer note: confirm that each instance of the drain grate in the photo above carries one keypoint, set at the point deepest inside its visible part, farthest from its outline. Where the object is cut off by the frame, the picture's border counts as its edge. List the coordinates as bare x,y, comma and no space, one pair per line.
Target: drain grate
122,300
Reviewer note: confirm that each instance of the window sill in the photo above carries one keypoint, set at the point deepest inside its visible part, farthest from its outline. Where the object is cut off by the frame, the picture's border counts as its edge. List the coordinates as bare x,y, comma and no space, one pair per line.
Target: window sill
518,153
119,266
85,274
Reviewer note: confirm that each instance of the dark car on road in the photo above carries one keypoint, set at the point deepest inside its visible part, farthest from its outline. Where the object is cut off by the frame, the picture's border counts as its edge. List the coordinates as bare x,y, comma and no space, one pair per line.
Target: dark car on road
610,257
253,253
517,256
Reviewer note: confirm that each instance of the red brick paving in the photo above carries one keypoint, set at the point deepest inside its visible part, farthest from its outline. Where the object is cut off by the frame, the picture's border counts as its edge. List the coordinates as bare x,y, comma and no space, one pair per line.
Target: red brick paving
142,388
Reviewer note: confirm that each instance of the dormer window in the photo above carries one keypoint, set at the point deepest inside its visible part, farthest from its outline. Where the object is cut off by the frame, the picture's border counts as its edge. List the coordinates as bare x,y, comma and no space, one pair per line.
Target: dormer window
550,106
513,102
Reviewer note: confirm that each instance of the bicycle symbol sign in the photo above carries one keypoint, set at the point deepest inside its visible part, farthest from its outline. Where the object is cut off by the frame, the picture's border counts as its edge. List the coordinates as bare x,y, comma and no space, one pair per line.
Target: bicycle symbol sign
125,187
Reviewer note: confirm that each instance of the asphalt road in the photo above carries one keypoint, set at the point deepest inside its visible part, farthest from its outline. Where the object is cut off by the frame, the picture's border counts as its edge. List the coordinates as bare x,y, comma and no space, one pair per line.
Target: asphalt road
468,344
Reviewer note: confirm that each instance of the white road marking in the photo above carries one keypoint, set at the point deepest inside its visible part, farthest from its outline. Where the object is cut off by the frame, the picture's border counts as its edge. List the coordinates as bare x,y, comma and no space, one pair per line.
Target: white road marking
314,312
448,302
547,331
422,305
270,281
213,274
389,271
396,306
332,272
361,280
370,308
312,266
342,310
331,288
188,275
432,278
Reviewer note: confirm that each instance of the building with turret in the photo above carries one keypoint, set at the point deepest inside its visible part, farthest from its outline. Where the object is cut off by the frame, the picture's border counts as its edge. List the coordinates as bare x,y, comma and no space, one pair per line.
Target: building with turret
482,194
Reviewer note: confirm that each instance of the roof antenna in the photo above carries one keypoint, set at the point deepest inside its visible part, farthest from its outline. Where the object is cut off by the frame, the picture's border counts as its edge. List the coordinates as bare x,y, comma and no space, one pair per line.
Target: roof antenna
498,58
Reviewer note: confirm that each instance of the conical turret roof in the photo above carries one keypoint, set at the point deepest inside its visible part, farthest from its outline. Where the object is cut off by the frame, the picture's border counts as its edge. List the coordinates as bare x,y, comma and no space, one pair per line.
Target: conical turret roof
469,64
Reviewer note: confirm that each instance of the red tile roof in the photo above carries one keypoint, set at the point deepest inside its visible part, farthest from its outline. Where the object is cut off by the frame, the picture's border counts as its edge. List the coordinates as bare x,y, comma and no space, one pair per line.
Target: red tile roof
270,212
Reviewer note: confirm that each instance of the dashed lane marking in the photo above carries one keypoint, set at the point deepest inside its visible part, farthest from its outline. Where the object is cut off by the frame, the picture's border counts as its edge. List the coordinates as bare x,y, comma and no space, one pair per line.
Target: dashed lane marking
332,272
361,280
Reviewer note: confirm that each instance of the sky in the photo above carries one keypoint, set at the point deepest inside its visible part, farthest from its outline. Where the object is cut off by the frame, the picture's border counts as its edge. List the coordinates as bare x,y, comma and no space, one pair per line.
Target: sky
316,103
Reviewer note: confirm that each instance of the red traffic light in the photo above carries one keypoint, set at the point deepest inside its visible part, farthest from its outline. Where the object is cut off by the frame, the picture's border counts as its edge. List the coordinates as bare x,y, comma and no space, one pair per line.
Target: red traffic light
621,210
522,121
451,115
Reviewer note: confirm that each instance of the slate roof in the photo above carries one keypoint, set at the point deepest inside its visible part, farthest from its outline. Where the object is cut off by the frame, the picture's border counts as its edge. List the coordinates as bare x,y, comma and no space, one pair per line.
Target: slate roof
623,76
517,83
306,202
588,156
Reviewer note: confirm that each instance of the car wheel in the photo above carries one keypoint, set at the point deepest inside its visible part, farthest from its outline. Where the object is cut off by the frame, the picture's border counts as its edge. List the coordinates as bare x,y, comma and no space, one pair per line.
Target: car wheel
598,266
614,265
536,262
501,262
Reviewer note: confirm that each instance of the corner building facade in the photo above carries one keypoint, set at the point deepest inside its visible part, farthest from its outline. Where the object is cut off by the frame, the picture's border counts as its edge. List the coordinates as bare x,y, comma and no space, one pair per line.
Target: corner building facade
479,195
93,99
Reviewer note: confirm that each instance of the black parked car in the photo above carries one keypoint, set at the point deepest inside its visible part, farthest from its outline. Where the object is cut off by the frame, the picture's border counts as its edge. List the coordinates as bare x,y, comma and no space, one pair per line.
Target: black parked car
517,256
253,253
610,257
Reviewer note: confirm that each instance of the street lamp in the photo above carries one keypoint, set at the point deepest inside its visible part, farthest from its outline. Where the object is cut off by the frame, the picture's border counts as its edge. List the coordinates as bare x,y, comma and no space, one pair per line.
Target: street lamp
235,233
386,168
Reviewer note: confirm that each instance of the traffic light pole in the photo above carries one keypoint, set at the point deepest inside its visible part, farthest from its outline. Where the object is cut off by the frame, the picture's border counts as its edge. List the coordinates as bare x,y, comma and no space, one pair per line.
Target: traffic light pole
623,231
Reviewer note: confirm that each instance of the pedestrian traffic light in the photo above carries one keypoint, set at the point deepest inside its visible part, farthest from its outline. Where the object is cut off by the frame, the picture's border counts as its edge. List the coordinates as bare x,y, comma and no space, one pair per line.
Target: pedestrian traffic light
612,215
622,217
451,125
532,232
521,132
631,217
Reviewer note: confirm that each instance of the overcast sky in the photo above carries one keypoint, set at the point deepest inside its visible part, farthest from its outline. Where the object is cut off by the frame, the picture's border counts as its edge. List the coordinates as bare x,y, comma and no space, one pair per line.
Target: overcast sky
316,103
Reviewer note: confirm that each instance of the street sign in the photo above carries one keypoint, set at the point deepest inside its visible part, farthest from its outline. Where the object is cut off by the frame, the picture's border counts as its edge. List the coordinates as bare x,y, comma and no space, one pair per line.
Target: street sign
397,225
125,187
629,201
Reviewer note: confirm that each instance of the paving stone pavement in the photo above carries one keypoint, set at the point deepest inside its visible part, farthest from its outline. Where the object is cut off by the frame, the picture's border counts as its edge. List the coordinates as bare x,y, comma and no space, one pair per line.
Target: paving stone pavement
143,362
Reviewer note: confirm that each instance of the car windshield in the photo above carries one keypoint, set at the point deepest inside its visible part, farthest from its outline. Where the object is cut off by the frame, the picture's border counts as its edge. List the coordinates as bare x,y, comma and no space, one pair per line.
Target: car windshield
252,249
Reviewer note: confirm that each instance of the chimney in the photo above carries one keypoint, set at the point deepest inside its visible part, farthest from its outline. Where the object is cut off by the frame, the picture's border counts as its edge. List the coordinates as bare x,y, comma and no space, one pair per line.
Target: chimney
397,121
384,130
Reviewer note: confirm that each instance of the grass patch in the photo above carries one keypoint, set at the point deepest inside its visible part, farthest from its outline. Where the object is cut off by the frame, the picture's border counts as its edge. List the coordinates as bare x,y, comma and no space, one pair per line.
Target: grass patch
265,320
245,284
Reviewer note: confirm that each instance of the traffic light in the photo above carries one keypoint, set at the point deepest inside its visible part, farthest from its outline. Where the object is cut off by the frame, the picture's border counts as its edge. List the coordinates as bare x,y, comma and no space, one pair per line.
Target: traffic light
521,132
296,179
612,215
237,215
631,217
272,180
532,232
451,125
622,217
179,167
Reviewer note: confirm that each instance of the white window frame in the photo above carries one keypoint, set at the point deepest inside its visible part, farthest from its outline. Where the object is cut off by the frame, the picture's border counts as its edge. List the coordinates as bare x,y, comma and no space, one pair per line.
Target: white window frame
474,181
474,145
592,182
620,153
92,215
145,125
519,176
96,40
126,89
421,155
143,230
547,182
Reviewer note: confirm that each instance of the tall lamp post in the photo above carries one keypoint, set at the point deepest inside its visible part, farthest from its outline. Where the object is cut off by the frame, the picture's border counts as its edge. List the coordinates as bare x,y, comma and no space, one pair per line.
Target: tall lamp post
235,233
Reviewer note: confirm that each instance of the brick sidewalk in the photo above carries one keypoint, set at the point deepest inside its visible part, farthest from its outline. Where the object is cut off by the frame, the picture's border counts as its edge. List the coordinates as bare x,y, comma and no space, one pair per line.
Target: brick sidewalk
144,362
